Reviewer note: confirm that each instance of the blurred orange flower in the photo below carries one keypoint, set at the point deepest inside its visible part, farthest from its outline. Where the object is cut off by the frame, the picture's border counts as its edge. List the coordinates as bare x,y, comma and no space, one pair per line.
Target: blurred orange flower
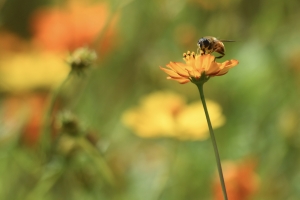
11,43
37,104
197,66
240,178
21,75
75,25
165,114
25,112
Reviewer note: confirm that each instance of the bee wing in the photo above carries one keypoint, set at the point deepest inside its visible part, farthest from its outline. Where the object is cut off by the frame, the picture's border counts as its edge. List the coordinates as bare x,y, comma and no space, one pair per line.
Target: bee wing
227,40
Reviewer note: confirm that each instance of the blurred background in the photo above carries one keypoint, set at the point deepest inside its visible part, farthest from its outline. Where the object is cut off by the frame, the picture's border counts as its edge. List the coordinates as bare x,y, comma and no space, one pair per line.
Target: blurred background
118,129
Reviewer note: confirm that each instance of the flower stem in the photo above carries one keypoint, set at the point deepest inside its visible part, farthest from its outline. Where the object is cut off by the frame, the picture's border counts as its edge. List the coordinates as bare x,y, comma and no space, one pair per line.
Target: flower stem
213,139
99,161
46,130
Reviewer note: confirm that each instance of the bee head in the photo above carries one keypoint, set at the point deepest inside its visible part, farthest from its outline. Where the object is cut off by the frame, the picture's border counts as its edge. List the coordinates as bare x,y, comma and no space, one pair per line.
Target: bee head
203,43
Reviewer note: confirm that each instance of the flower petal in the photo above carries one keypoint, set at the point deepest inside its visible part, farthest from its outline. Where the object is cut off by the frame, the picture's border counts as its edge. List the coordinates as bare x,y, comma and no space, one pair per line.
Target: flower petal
229,64
206,61
170,72
213,69
195,66
198,63
233,63
179,68
222,72
180,80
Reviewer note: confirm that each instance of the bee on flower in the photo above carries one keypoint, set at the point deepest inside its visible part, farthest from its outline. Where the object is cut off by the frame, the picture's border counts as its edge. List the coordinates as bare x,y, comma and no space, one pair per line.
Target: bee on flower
197,68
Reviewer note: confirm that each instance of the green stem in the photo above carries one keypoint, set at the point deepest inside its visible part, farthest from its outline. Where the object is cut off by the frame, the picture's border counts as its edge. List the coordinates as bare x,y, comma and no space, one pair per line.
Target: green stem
48,114
213,139
55,98
49,177
113,13
99,161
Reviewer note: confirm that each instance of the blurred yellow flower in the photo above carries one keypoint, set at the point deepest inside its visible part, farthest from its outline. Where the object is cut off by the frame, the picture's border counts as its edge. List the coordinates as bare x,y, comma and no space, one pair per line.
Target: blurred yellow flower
197,66
28,71
165,114
155,116
192,121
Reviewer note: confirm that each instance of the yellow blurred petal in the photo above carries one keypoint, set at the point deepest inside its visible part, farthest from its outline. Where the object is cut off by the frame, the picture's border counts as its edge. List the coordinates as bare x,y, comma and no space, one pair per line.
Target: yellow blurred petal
23,72
192,124
165,114
155,117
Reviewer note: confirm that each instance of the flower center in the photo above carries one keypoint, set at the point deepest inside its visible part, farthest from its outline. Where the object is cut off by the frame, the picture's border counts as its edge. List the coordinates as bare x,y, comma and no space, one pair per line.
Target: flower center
188,56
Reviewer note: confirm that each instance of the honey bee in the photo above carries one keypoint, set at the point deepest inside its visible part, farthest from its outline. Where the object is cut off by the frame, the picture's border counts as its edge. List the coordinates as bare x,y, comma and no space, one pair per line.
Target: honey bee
209,44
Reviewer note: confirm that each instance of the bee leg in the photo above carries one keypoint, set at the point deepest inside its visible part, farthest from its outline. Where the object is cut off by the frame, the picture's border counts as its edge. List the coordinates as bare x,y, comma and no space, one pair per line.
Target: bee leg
201,52
221,56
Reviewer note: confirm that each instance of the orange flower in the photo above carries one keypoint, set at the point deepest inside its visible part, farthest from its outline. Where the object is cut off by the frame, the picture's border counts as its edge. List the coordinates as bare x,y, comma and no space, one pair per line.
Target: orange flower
240,178
24,113
197,66
36,104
